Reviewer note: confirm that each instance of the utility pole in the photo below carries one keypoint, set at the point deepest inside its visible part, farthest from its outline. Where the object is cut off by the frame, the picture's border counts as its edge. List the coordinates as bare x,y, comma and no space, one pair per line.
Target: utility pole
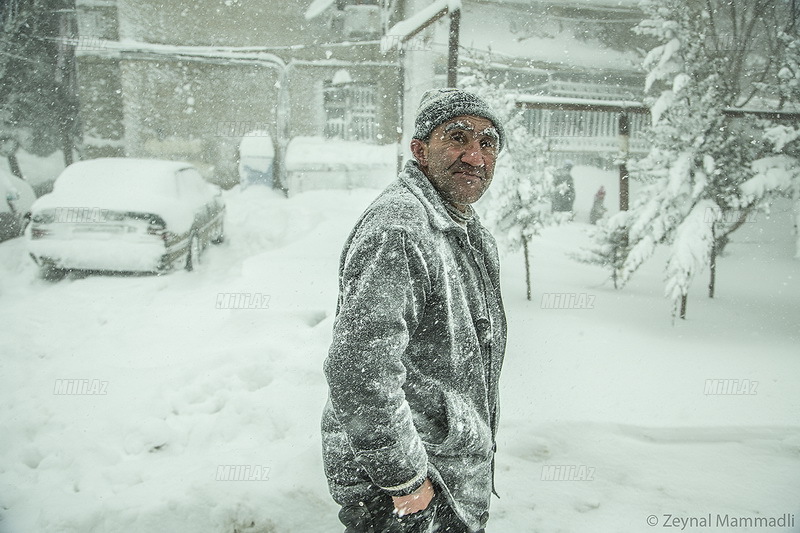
452,48
66,79
624,149
416,66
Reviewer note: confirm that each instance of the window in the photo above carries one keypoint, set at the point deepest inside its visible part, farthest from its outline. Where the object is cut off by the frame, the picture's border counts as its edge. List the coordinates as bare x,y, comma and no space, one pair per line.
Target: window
350,109
9,9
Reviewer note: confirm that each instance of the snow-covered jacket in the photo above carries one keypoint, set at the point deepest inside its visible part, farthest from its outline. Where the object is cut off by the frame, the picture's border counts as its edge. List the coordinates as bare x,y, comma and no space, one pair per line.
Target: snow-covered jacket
418,344
563,190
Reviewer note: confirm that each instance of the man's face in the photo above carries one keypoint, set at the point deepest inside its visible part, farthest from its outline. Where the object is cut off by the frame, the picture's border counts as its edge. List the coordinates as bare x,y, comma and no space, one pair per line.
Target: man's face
459,158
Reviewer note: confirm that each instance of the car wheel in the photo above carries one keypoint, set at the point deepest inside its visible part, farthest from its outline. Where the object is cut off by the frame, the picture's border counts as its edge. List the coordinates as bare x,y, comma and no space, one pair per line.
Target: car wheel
219,238
193,256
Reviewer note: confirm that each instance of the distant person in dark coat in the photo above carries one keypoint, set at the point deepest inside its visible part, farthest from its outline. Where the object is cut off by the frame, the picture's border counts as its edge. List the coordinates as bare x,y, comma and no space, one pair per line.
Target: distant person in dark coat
563,188
598,209
409,429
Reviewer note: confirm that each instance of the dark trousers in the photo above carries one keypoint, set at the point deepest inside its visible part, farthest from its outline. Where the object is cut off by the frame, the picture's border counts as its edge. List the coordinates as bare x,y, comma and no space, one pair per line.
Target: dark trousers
377,516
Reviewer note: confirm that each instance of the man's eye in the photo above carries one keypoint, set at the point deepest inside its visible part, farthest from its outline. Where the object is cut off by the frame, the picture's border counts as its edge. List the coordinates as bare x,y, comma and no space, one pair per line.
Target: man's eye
458,136
486,143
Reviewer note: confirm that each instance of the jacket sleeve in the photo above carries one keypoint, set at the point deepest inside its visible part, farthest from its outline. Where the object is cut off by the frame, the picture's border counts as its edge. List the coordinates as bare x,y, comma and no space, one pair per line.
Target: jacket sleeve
383,285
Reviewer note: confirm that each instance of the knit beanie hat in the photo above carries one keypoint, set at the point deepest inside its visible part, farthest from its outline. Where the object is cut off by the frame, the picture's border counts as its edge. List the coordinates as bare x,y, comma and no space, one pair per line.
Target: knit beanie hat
440,105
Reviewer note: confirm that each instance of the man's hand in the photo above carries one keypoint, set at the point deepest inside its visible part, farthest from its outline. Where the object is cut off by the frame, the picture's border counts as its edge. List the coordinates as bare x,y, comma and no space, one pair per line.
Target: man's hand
416,501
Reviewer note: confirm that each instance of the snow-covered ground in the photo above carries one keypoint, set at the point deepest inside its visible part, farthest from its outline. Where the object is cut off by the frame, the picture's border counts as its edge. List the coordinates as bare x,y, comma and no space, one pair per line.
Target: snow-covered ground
183,389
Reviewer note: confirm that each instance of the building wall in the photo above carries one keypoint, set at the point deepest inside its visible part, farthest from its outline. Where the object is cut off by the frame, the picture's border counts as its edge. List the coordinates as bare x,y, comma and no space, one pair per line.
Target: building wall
307,111
221,22
99,80
101,107
197,109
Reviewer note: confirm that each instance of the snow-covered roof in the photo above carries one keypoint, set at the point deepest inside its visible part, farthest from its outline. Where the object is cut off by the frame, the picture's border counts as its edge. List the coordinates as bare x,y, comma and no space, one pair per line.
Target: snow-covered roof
600,5
533,34
561,101
106,48
766,110
317,7
96,3
407,28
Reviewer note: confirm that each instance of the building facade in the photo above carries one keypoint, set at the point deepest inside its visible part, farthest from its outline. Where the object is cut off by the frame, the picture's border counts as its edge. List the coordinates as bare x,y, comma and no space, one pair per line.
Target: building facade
187,80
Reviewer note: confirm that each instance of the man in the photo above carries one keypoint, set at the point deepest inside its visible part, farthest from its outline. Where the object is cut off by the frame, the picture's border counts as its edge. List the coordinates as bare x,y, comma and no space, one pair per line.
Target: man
564,188
419,337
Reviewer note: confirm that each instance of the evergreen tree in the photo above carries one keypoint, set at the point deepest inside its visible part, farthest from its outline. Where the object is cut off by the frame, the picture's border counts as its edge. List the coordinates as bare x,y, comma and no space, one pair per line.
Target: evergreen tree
711,55
37,106
778,174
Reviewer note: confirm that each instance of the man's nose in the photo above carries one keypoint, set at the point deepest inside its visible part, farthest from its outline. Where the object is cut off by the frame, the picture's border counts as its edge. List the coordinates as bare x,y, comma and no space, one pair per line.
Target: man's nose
472,154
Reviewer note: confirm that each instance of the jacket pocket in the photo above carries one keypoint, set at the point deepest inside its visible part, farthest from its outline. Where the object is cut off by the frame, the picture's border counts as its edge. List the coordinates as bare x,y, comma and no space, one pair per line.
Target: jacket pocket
468,432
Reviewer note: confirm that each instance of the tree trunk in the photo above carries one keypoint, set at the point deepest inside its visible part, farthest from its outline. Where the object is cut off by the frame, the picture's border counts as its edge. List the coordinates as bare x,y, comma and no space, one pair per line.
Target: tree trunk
66,147
13,165
683,306
723,239
527,266
713,269
719,245
619,258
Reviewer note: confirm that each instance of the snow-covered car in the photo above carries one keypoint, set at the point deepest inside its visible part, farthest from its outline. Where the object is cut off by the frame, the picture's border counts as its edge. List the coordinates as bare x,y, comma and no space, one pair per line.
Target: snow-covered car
122,214
15,205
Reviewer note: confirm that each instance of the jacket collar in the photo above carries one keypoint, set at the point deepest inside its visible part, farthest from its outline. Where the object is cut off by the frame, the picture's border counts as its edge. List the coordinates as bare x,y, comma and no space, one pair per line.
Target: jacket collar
413,178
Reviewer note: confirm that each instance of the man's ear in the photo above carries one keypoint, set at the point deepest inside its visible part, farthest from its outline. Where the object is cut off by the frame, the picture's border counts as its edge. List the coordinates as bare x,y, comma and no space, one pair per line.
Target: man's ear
419,149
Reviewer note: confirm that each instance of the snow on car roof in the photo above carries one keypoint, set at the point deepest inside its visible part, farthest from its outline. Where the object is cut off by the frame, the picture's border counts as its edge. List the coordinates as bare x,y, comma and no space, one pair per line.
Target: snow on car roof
116,173
125,184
